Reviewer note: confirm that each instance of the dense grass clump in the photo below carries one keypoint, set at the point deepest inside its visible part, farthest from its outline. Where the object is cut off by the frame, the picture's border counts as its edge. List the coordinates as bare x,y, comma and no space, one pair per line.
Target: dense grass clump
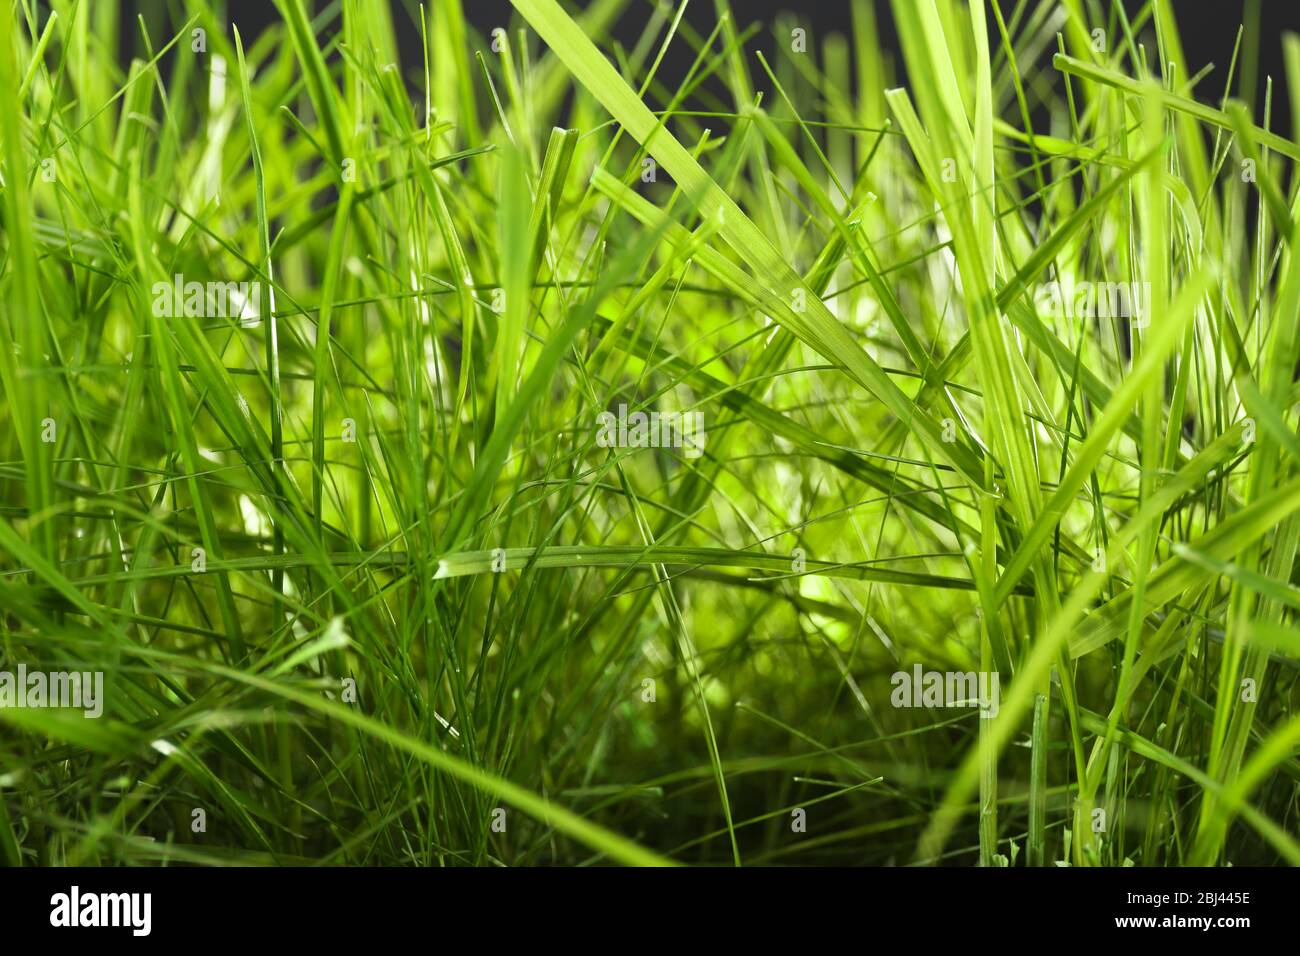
553,449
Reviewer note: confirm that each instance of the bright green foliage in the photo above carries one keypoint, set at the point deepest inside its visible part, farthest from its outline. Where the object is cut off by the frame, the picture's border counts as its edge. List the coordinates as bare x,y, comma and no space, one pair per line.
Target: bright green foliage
372,579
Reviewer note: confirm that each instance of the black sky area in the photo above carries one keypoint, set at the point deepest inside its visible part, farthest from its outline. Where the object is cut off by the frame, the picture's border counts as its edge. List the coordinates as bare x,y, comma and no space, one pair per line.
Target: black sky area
1208,29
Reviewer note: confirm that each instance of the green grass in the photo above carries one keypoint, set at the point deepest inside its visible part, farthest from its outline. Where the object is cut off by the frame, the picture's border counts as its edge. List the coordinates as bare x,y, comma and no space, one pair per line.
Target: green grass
365,586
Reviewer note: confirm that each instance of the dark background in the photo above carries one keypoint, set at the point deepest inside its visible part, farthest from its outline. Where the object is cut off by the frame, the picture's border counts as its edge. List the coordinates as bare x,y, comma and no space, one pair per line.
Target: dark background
1208,29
